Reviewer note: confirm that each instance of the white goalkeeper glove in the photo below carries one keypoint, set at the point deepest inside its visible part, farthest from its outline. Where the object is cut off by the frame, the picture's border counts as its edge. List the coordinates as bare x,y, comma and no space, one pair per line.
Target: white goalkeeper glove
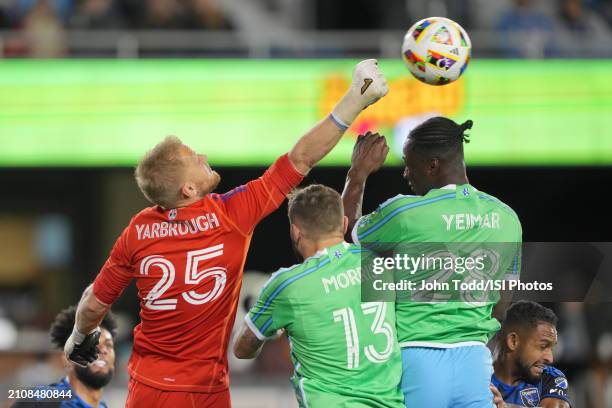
367,87
82,349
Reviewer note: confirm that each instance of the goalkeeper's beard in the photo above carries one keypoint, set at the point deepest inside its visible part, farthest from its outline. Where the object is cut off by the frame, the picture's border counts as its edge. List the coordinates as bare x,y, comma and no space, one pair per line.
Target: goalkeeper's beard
94,380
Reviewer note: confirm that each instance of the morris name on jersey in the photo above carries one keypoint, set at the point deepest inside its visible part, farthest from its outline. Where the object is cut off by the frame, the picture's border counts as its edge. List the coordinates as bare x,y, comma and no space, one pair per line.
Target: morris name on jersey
201,223
342,280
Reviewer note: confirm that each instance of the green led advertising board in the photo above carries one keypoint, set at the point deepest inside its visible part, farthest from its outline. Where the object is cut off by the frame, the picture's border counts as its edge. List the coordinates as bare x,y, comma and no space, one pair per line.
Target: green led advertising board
248,112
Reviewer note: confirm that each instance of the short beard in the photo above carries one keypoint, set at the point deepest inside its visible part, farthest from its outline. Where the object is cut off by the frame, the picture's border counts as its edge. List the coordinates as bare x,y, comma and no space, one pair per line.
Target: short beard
93,380
525,373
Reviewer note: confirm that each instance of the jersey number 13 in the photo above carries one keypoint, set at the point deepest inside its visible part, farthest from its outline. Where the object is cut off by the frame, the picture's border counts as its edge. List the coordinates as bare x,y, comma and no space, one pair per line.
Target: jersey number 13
379,326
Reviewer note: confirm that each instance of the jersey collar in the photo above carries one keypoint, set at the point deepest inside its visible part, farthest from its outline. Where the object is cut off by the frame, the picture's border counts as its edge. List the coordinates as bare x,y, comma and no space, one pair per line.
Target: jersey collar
333,250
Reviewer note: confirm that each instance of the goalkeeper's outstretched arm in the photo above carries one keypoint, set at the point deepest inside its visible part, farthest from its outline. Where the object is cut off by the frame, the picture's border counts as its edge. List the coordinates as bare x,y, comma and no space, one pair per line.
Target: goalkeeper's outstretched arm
367,87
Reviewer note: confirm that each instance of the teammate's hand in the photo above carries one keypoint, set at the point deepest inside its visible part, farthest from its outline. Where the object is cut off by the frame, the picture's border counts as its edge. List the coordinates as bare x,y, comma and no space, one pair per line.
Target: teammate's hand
369,153
82,349
498,400
367,87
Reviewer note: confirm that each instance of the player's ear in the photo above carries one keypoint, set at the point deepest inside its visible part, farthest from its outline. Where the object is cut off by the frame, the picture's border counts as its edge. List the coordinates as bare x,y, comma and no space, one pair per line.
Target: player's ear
434,167
512,341
189,190
344,224
295,232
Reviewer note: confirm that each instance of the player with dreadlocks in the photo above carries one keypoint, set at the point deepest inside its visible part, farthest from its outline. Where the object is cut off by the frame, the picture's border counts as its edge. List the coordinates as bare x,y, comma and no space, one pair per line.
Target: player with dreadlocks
445,359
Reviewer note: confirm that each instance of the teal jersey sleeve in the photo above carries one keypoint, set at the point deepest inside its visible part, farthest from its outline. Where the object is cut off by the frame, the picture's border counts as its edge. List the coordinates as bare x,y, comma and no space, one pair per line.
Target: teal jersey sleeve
270,312
514,270
380,225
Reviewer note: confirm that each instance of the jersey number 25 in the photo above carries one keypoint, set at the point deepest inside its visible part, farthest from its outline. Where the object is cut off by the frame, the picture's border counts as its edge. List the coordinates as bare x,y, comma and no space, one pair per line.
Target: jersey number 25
192,277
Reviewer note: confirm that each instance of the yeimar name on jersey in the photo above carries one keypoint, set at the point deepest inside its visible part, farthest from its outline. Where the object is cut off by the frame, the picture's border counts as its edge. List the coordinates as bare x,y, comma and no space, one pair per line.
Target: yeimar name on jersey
465,221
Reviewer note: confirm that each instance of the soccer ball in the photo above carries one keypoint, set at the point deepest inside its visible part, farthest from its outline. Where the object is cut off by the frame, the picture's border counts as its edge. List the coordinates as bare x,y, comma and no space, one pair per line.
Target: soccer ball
436,50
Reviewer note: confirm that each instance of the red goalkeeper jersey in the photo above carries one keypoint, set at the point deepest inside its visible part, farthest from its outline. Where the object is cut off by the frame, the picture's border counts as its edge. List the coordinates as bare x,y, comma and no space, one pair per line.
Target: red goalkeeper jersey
188,265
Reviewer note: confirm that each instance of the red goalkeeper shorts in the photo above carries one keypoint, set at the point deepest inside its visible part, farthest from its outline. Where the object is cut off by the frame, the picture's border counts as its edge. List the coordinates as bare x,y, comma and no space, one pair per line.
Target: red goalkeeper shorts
142,396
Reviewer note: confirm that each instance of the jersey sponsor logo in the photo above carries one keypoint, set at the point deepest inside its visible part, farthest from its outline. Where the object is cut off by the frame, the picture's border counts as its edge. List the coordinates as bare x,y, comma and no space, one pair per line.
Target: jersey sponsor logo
466,221
557,391
201,223
530,397
367,220
366,84
172,214
561,382
342,280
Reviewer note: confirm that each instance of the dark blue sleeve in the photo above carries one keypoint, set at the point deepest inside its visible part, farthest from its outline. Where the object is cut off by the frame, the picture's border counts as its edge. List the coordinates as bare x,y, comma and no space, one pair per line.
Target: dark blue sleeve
554,384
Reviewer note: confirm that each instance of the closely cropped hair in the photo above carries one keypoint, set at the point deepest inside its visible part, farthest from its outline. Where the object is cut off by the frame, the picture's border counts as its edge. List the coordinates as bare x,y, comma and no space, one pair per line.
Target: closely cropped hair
61,328
317,209
526,314
440,136
158,174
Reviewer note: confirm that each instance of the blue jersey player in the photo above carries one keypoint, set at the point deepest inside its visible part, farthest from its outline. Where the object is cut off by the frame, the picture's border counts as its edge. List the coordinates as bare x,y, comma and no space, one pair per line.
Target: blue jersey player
523,375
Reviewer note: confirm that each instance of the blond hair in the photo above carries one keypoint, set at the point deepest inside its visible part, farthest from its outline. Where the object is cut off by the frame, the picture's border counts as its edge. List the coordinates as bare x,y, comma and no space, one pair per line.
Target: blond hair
317,209
158,173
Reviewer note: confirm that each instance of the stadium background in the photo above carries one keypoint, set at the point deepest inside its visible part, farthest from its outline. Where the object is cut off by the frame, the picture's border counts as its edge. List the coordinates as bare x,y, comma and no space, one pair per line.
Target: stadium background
242,80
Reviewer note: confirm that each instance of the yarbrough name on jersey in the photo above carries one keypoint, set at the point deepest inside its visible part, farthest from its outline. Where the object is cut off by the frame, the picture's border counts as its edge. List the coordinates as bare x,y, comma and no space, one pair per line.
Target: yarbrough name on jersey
201,223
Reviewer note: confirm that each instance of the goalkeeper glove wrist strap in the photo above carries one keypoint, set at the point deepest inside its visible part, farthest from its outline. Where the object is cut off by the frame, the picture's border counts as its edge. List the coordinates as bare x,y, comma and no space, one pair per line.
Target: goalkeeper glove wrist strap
338,122
77,336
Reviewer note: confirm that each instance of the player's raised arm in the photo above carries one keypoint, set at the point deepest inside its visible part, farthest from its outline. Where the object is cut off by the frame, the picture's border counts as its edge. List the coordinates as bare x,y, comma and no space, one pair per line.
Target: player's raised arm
80,348
369,155
95,302
367,87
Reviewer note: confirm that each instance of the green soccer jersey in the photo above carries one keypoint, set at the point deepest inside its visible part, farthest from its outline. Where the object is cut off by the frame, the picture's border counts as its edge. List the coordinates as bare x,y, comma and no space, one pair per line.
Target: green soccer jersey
345,352
453,214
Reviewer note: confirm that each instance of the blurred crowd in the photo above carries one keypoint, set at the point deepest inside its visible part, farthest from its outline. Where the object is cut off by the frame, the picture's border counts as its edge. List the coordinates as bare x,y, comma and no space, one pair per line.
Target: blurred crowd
43,23
548,24
113,14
